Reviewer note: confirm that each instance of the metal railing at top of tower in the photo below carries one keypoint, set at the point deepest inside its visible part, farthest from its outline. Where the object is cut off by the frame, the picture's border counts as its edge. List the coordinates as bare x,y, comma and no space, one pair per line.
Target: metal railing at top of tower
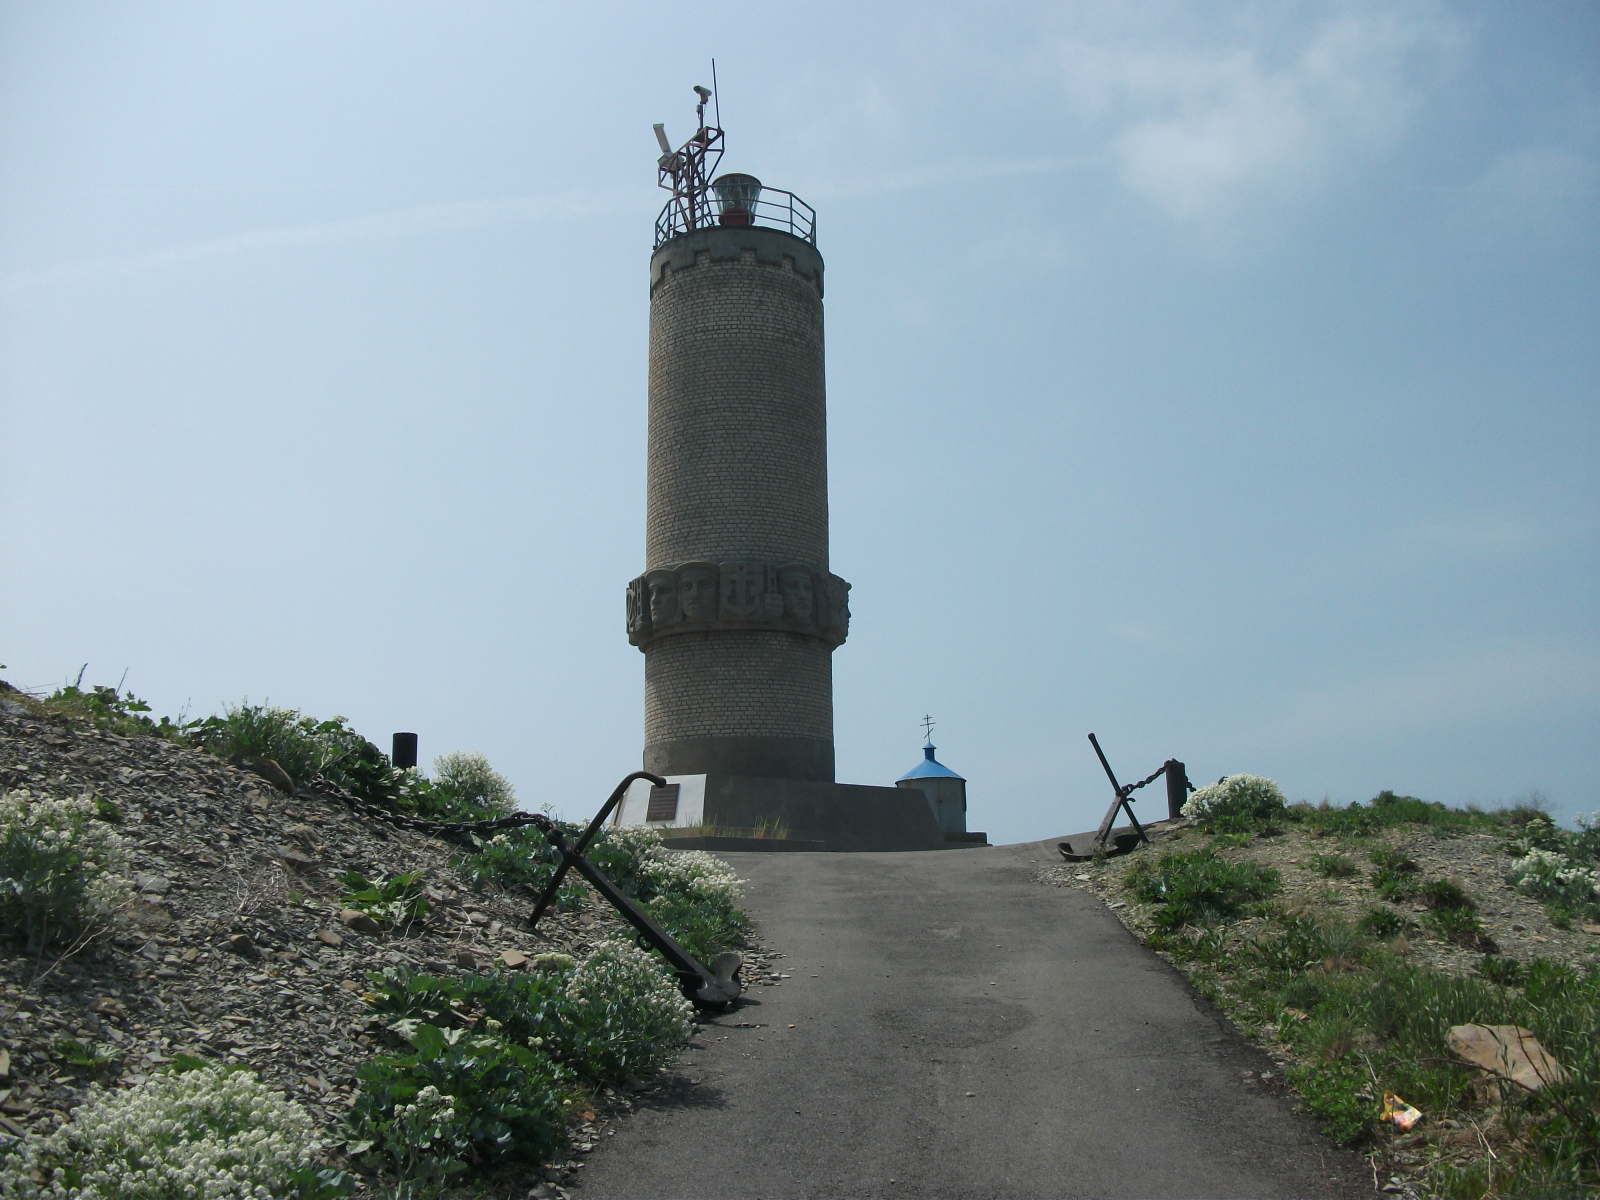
767,208
701,201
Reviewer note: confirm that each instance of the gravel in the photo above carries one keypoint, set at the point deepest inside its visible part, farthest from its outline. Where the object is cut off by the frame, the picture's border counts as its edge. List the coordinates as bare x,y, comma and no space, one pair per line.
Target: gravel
236,949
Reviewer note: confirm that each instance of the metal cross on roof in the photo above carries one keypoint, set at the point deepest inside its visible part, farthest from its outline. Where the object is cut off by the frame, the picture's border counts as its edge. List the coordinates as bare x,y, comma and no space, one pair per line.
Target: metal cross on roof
927,727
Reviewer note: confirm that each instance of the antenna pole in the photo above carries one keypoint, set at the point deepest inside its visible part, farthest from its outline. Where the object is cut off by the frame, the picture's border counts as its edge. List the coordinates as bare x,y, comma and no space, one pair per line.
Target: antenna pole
716,93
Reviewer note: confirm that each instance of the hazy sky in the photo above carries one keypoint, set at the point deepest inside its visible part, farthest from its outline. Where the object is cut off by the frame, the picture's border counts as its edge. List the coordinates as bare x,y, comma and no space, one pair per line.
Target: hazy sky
1218,377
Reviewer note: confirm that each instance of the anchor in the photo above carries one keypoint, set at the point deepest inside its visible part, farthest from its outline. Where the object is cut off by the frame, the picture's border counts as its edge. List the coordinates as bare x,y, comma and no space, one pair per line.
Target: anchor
1178,788
712,988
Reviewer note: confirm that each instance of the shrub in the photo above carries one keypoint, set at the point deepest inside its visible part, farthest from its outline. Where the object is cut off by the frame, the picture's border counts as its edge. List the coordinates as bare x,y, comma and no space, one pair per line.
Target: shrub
1235,803
694,896
1460,927
1387,810
466,788
203,1133
1382,922
1507,972
491,1100
627,1015
615,1013
1555,879
304,747
1199,886
1333,866
1395,879
518,859
1445,893
60,867
1585,844
109,708
1303,942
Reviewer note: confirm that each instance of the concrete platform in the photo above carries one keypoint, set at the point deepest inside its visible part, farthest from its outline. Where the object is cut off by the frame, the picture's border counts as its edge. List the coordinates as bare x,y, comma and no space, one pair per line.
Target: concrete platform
842,817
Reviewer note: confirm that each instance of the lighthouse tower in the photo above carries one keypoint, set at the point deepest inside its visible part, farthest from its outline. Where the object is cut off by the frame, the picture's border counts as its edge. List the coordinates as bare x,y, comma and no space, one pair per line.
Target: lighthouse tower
737,611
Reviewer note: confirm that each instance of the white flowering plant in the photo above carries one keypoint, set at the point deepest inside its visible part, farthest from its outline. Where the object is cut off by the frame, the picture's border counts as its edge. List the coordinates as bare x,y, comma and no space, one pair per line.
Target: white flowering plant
626,1014
1235,804
205,1134
62,868
1559,876
465,787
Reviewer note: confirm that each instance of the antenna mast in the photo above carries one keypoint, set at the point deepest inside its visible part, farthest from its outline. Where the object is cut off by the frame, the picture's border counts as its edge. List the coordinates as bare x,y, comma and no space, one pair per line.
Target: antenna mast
687,171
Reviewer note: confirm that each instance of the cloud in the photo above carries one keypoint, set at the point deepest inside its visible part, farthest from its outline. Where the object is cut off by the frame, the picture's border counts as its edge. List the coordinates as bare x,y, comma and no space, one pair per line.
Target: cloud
1203,131
1474,687
1473,535
1540,189
412,222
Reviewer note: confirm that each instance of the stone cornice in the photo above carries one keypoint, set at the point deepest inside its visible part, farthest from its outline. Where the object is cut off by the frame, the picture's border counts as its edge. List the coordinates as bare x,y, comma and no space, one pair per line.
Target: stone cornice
699,597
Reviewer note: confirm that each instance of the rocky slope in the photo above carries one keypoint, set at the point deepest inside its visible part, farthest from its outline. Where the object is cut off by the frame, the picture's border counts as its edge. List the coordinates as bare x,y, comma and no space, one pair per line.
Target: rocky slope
234,949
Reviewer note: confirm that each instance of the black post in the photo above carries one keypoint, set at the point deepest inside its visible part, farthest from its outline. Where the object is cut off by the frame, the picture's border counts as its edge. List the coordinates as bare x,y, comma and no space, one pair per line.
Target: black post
405,751
1177,788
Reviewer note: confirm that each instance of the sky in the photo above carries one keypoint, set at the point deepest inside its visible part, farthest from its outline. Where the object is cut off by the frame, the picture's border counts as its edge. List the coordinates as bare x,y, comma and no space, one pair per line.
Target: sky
1220,378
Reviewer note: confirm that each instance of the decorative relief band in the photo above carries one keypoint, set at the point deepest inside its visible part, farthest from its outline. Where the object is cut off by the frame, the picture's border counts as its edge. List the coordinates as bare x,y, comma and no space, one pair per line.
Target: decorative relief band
697,596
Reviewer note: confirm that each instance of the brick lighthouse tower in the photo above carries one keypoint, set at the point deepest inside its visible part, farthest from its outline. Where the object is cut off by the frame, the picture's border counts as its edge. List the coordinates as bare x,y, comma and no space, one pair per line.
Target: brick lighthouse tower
737,612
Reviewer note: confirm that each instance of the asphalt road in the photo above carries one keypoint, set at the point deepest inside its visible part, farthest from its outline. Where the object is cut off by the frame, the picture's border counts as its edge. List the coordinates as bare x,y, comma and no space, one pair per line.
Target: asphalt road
953,1029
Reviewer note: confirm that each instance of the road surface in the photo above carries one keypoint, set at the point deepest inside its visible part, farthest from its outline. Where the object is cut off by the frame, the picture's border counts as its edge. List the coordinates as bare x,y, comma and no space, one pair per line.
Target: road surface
952,1029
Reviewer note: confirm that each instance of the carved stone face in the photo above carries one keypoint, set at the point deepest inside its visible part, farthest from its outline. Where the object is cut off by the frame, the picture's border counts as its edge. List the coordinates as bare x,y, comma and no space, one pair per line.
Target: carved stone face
663,589
798,601
697,593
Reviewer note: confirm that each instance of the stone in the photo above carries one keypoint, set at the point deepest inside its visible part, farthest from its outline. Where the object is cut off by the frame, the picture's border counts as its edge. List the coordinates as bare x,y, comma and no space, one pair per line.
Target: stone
149,916
694,597
1507,1051
109,1006
241,945
466,960
329,937
354,918
1590,928
152,885
296,860
274,774
350,985
514,959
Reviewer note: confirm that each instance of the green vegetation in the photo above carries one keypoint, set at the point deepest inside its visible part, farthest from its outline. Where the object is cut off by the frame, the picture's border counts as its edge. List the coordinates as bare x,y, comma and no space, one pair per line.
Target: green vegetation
1237,804
1388,810
692,895
479,1069
1356,1018
496,1062
110,708
202,1133
1561,869
1396,876
1199,887
395,901
1385,923
61,868
464,787
1334,866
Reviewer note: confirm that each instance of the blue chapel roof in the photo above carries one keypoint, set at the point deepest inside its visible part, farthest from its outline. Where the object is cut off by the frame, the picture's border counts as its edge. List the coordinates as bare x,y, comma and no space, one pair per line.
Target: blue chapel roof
931,768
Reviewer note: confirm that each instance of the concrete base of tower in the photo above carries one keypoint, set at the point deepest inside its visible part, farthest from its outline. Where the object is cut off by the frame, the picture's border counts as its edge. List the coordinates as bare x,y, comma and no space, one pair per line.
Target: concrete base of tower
796,758
828,816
